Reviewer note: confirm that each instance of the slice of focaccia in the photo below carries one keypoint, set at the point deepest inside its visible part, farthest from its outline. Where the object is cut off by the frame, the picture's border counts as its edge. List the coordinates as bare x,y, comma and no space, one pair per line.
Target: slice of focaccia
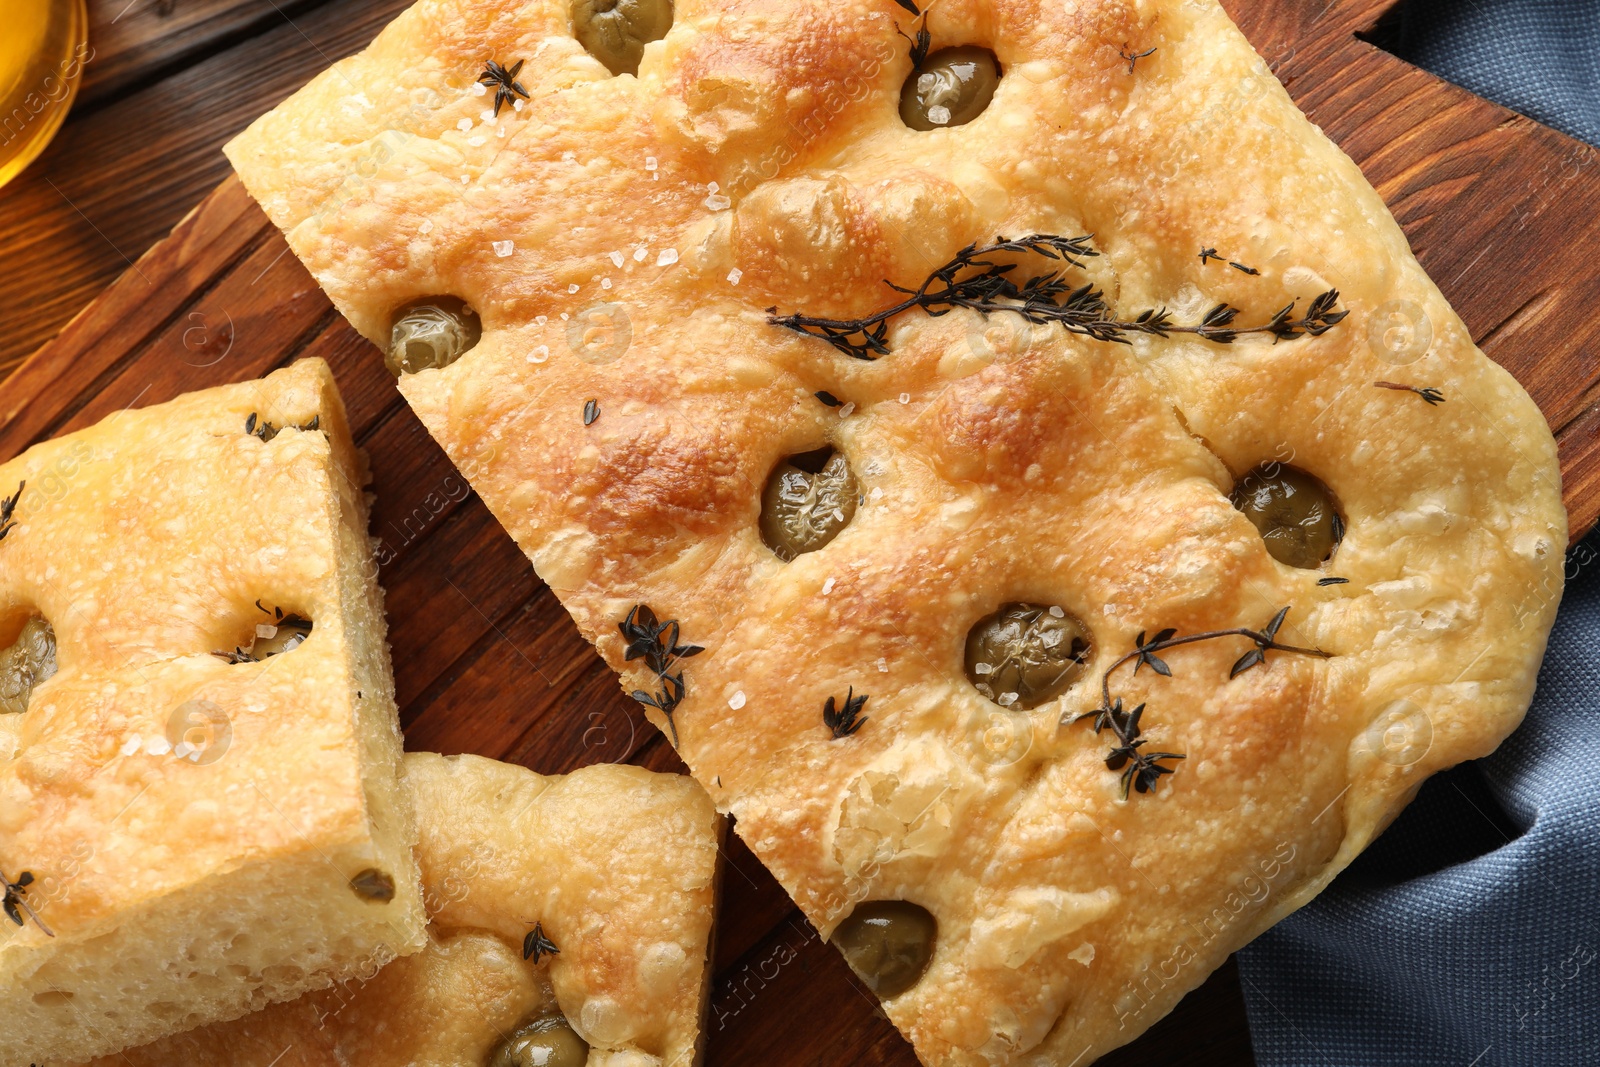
570,924
1072,609
200,810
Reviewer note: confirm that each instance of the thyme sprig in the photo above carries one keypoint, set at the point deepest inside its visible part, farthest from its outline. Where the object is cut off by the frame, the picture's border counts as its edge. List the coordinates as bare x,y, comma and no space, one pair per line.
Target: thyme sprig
644,636
1134,57
919,43
1426,392
974,281
842,722
8,506
1141,770
536,944
16,901
504,83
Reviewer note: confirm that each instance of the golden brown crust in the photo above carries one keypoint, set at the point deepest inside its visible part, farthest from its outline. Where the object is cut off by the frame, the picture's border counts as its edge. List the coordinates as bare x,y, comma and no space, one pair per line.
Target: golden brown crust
996,463
617,865
171,804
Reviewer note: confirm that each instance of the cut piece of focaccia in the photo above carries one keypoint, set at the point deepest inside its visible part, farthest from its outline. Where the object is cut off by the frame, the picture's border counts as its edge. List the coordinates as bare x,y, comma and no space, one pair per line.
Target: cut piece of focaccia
570,924
199,756
1051,653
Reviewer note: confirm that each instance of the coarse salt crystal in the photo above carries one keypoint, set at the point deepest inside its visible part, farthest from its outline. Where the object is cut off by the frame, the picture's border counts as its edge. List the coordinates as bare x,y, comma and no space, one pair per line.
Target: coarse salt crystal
649,162
845,411
540,354
565,316
573,288
605,283
157,746
266,630
718,203
883,665
486,115
464,124
713,187
132,745
541,319
615,257
478,89
905,398
827,587
734,275
639,254
476,141
516,105
182,749
1057,612
737,700
426,227
876,494
667,258
503,248
939,115
1007,699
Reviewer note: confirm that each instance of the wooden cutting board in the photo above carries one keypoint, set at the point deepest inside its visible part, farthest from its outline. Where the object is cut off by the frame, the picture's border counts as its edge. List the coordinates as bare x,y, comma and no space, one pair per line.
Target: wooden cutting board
1500,212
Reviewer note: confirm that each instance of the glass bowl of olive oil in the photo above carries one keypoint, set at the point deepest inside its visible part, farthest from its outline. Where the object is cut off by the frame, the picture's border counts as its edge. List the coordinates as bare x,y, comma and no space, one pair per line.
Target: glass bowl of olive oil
43,48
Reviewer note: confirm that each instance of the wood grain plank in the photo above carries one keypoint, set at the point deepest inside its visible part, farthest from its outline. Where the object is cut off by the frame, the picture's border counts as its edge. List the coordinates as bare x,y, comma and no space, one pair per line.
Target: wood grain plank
118,178
136,42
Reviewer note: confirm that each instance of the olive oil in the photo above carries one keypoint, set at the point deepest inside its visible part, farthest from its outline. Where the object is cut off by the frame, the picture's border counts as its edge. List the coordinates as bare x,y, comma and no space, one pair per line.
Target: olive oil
43,48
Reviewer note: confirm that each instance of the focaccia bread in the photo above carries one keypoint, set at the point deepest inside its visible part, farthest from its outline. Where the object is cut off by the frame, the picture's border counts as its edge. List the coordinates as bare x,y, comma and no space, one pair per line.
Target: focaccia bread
200,753
1227,420
610,872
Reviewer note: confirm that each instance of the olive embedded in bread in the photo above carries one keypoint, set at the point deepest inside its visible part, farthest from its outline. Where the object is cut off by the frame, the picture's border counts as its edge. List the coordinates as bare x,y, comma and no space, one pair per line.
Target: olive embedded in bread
1026,654
802,510
949,88
548,1041
1294,511
888,943
431,333
29,661
616,31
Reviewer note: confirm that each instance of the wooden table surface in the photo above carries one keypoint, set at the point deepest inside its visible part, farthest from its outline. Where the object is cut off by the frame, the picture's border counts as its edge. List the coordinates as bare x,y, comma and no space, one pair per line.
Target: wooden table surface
171,80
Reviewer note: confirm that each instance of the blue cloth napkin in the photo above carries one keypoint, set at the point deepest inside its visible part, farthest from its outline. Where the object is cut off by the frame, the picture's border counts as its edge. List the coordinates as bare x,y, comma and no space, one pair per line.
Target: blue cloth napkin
1539,57
1469,934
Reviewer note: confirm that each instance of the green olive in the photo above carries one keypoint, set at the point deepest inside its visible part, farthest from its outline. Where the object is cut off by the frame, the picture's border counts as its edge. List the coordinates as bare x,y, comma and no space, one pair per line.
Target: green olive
616,31
25,664
888,943
1294,511
805,504
373,884
548,1041
431,333
949,88
1026,654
